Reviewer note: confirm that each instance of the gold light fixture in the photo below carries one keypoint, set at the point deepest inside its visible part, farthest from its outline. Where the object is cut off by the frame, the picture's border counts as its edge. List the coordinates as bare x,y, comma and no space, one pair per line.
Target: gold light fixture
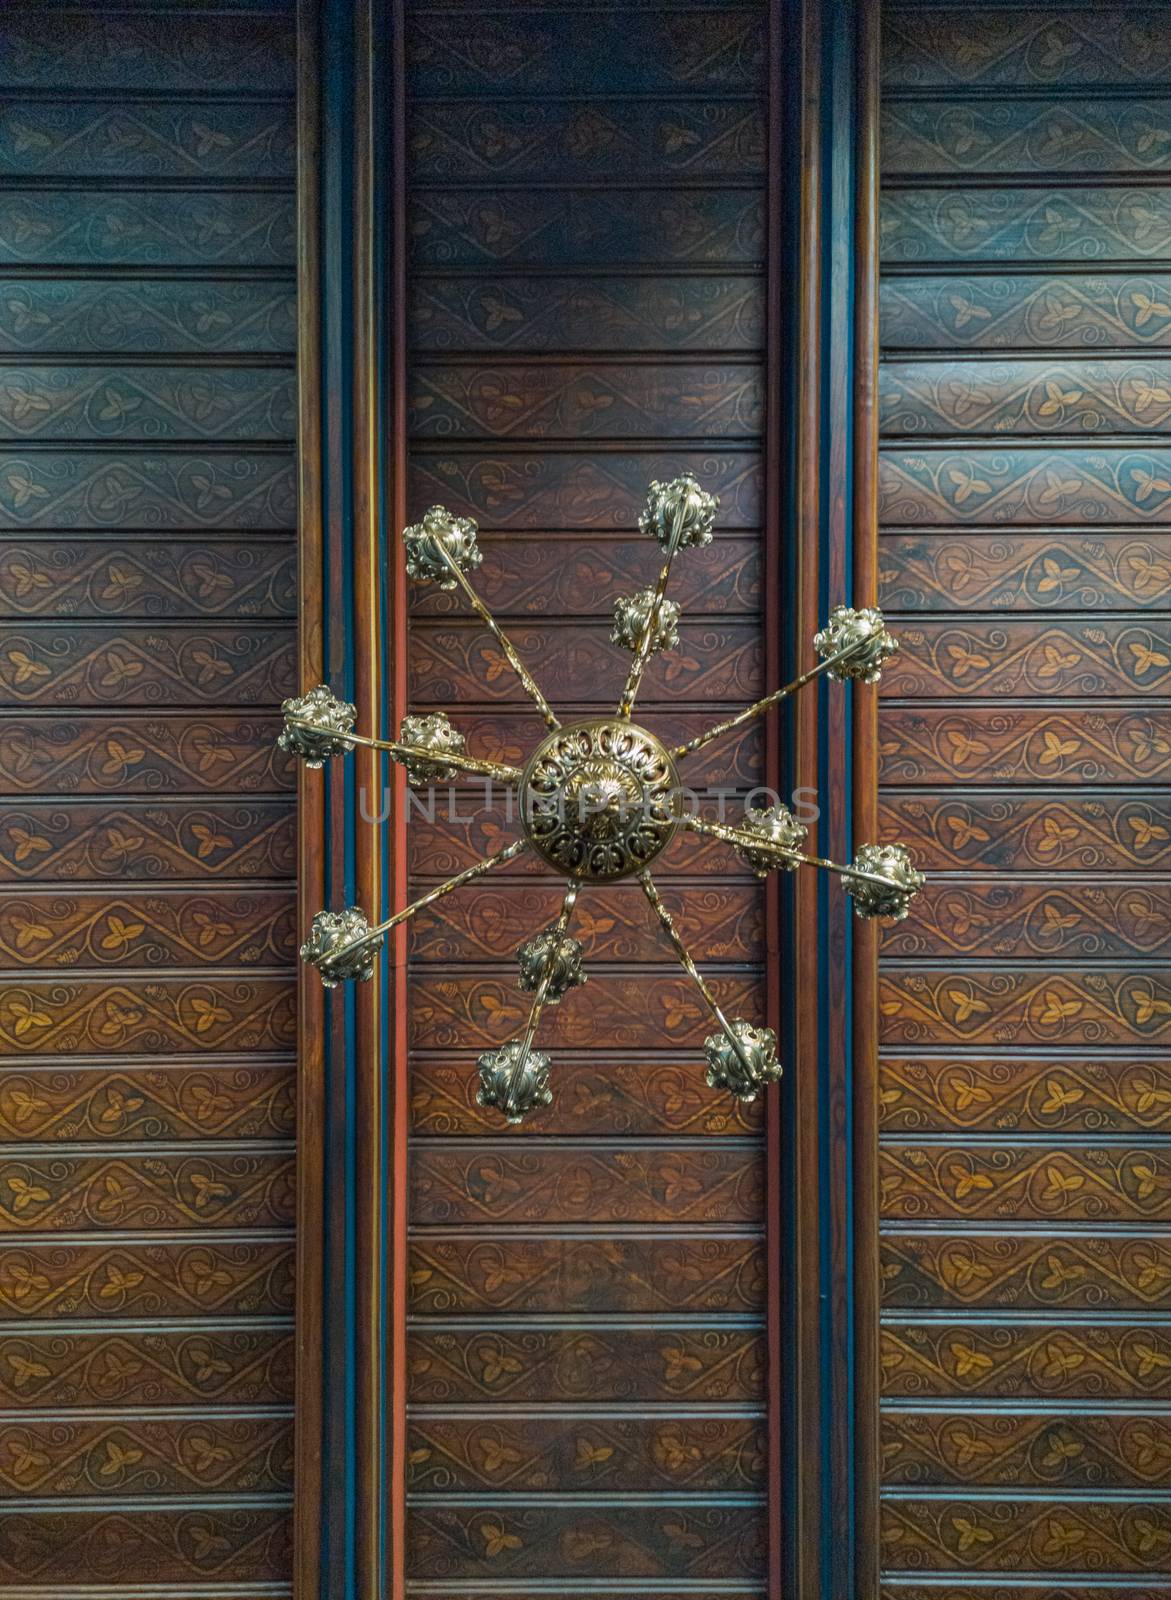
598,799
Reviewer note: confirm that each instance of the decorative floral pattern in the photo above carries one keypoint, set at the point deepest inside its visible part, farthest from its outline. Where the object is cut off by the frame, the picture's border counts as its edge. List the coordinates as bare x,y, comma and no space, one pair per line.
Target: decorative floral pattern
553,491
140,316
709,1185
1026,572
1069,1096
110,1370
669,1364
67,490
997,311
1024,1103
93,139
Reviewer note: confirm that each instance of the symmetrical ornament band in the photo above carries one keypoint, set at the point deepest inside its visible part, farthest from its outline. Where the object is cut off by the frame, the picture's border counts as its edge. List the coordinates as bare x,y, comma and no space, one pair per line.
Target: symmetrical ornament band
599,800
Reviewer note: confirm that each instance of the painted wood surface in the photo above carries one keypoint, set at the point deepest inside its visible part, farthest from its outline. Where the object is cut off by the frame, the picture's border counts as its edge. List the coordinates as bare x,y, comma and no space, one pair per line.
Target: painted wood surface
147,628
1024,1101
586,314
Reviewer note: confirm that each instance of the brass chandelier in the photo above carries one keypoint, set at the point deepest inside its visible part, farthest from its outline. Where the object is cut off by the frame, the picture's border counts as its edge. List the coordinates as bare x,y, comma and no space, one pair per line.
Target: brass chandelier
598,800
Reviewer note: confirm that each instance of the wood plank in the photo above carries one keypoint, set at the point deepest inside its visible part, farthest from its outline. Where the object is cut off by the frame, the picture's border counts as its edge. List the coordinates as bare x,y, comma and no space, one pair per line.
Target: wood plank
241,53
601,400
84,489
1072,1094
1040,1359
141,755
629,1011
245,928
129,317
559,141
1000,310
662,1272
558,490
1058,223
663,1363
1039,1272
61,1193
668,52
724,1540
586,1456
215,665
599,1096
148,403
1082,488
51,1016
96,139
226,229
453,662
1032,832
1094,135
98,578
519,313
1037,572
116,1368
230,1544
614,923
717,1183
1032,1006
1021,47
1025,745
1027,397
197,1453
995,1449
1024,1182
533,576
1025,1534
103,1278
459,228
1100,659
1027,920
147,841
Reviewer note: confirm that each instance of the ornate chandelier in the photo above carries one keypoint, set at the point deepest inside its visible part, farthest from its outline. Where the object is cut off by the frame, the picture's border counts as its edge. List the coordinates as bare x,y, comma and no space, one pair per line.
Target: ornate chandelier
598,800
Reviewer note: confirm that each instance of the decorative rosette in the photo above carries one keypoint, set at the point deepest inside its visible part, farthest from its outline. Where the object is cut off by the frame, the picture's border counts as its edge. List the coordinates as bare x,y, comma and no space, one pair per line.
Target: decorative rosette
339,946
435,734
892,897
560,954
679,505
744,1072
864,635
631,614
514,1094
776,826
437,534
316,725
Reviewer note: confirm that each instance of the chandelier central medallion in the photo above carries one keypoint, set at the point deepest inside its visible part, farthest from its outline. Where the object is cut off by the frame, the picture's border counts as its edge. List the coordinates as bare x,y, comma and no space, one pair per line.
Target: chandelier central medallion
599,800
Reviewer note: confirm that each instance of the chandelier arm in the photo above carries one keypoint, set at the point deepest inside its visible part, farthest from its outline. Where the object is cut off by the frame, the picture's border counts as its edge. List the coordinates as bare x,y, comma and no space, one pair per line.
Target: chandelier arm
759,707
468,875
506,645
753,841
642,654
474,764
667,922
542,990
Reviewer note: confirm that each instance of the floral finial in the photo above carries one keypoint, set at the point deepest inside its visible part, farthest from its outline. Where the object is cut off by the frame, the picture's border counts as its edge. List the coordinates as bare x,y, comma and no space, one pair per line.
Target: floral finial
316,725
745,1072
892,897
514,1094
680,511
436,534
864,635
